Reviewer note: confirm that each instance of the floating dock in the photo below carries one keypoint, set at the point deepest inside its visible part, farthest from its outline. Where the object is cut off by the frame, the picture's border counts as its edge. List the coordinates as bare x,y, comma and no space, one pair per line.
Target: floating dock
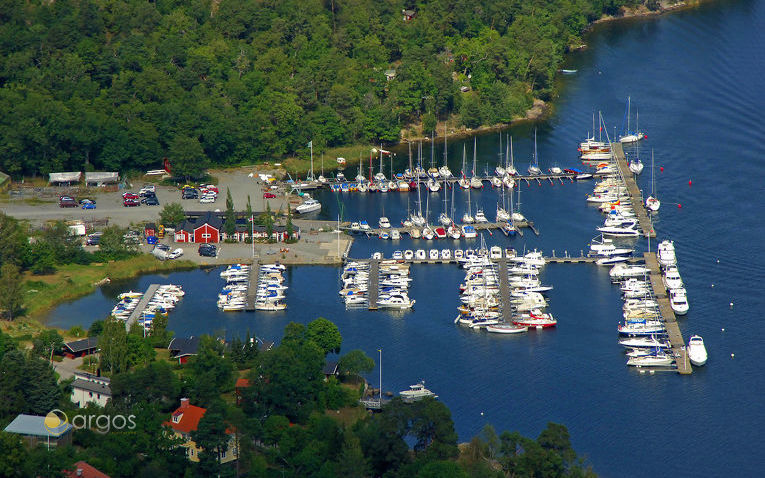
373,288
636,197
480,226
252,286
504,291
136,313
670,321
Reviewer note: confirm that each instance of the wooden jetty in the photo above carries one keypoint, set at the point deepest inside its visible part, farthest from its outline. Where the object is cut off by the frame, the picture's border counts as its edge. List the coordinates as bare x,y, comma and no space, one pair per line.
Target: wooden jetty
252,286
668,315
373,288
504,291
480,226
636,197
136,313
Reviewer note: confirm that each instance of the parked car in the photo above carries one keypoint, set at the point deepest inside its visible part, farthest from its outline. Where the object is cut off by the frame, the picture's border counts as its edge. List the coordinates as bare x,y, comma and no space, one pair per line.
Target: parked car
150,201
66,201
148,190
93,239
88,205
129,195
190,193
84,200
131,202
269,195
152,240
208,250
206,199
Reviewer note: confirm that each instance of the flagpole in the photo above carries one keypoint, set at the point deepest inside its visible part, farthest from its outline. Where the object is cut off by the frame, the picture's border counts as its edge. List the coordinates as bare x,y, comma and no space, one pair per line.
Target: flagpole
311,145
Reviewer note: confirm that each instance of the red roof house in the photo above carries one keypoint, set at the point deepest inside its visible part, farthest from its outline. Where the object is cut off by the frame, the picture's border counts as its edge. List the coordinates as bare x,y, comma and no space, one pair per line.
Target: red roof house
184,420
83,470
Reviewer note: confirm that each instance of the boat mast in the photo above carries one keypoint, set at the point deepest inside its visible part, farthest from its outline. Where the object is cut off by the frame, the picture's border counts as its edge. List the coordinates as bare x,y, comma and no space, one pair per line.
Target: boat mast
411,170
432,152
507,151
475,145
310,143
512,165
500,149
445,162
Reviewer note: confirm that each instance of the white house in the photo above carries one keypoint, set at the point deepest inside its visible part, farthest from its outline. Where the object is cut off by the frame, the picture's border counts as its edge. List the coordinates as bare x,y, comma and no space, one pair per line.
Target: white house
88,388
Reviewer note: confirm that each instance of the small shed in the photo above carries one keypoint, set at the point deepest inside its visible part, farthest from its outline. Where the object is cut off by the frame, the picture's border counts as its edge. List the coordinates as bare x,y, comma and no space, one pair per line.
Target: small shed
330,370
66,178
81,348
183,348
409,15
35,430
101,178
241,384
390,74
149,229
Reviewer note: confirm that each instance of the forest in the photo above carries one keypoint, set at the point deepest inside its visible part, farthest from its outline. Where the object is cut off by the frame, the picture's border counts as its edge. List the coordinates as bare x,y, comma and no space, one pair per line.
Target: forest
118,85
289,421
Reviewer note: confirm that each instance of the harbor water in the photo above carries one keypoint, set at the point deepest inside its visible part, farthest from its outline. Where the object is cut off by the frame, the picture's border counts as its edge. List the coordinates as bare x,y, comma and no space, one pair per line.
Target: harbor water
695,79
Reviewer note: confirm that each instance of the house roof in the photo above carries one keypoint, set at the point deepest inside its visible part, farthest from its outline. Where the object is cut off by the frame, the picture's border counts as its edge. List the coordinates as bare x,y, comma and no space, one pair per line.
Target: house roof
265,346
242,383
102,177
83,470
184,346
330,368
191,223
34,425
190,416
91,377
68,177
90,386
82,345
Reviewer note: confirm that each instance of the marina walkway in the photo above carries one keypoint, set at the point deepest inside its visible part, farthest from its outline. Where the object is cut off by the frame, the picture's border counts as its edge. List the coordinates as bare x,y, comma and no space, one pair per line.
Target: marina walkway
636,197
504,292
141,306
252,286
670,321
374,283
480,226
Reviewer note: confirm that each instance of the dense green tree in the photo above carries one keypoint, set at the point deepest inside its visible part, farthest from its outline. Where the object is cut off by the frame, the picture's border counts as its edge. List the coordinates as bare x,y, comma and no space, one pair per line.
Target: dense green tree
355,362
11,290
187,158
46,343
211,372
14,454
229,224
113,245
325,334
14,245
172,214
113,346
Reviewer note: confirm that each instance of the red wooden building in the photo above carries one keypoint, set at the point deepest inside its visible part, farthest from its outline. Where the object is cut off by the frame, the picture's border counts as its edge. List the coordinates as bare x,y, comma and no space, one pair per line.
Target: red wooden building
202,229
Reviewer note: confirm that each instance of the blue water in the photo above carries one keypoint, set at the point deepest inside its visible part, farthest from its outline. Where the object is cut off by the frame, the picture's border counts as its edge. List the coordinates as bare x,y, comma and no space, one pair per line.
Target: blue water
695,78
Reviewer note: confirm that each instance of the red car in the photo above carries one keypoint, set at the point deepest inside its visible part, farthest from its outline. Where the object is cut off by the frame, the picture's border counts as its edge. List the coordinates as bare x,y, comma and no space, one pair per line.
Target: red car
131,202
130,196
269,195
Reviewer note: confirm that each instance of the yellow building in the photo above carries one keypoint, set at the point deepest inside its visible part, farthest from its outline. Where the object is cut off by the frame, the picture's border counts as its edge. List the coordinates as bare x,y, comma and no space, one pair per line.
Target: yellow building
184,420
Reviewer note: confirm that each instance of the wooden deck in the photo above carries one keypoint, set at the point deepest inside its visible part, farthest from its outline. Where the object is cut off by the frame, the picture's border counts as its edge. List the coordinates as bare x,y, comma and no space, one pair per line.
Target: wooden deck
374,283
636,196
504,292
133,317
252,286
668,315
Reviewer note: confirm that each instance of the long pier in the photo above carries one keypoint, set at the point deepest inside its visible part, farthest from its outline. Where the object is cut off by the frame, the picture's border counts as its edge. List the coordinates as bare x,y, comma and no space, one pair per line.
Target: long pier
452,260
373,288
504,291
136,313
252,286
636,197
668,315
479,226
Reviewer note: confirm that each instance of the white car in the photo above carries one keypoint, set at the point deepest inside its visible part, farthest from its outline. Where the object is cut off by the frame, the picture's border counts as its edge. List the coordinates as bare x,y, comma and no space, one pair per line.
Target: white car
433,254
398,255
175,254
206,200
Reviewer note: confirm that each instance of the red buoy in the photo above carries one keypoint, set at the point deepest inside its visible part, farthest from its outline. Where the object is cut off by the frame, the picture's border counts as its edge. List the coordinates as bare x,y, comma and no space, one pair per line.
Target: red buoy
679,206
690,183
661,168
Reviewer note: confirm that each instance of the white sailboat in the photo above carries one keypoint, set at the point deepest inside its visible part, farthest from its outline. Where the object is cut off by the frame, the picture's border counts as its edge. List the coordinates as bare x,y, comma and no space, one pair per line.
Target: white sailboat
500,170
510,168
636,166
444,170
475,182
467,218
534,167
629,136
464,182
652,202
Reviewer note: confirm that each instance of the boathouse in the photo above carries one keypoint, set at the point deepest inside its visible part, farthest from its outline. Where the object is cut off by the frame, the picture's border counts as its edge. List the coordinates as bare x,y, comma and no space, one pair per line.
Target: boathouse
200,229
183,348
81,348
34,431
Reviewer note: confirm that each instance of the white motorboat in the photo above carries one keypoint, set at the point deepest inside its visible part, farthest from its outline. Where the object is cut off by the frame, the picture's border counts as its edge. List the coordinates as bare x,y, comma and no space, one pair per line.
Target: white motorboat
420,254
619,231
309,205
678,301
433,254
697,352
416,392
480,216
666,253
506,328
384,223
408,254
605,247
672,279
395,234
395,301
469,231
624,271
650,341
658,359
642,328
611,260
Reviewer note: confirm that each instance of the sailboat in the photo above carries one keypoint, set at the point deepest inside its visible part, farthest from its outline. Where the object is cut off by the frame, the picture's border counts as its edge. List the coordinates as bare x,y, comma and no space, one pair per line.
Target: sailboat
475,182
321,177
444,170
499,170
464,182
534,167
432,171
651,201
467,218
427,231
516,215
444,218
502,214
453,231
360,177
636,166
418,219
510,167
630,136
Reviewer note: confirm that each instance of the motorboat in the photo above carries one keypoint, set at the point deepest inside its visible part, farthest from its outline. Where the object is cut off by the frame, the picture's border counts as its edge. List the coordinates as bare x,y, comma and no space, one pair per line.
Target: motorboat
611,260
480,216
459,254
440,232
365,226
650,341
469,231
672,279
642,328
506,328
433,254
619,231
624,271
657,359
666,253
446,254
697,352
495,252
384,235
536,319
308,206
408,255
395,301
384,223
395,234
416,392
678,301
420,254
605,247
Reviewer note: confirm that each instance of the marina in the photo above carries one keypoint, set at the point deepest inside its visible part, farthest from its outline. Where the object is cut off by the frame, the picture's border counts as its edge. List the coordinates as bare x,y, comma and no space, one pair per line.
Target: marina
252,291
636,196
143,303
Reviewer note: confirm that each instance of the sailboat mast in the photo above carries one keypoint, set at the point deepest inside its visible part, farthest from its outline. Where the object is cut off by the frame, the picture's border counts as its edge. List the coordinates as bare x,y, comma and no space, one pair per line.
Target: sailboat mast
445,165
475,146
628,115
410,157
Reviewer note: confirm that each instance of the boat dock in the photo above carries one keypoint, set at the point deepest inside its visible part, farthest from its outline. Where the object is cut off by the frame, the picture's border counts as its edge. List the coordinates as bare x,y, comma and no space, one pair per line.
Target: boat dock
479,226
252,286
549,259
636,196
670,321
136,313
504,292
374,283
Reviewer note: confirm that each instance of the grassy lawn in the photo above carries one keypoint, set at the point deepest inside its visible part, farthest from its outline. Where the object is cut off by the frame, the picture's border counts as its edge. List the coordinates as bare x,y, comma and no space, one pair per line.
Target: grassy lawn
347,416
72,281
